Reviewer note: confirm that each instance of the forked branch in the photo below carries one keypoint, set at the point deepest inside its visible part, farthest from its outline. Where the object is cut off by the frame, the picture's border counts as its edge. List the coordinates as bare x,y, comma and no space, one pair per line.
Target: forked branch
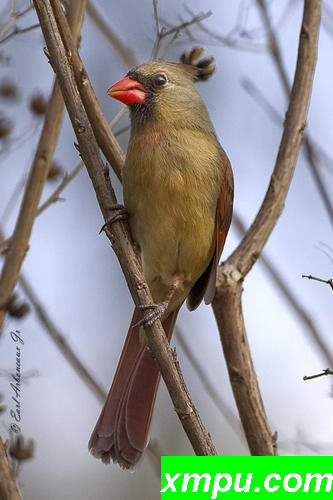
227,304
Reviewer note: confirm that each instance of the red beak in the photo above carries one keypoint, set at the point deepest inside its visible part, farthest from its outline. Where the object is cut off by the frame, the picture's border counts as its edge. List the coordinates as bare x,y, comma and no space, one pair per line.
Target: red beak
128,91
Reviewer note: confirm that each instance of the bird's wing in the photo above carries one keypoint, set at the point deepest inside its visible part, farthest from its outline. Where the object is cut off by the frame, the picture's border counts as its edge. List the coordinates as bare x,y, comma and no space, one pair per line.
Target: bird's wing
205,285
222,222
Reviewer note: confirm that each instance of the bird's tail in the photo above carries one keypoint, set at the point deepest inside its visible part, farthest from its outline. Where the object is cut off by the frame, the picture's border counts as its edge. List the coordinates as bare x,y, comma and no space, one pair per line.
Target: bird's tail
122,430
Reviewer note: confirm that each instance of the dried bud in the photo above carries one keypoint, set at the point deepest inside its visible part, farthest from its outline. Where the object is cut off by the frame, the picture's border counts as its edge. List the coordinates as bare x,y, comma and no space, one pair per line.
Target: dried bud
55,172
6,127
192,56
38,104
8,89
20,450
15,308
204,68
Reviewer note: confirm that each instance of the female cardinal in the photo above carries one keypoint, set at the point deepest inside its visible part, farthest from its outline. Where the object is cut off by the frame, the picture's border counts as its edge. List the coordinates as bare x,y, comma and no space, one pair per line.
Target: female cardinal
178,191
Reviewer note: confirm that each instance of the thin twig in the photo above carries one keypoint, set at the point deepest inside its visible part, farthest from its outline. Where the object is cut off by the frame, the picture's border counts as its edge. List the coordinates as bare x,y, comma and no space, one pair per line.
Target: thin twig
236,39
118,117
13,17
227,303
55,195
310,277
19,31
162,33
38,174
326,371
125,52
69,72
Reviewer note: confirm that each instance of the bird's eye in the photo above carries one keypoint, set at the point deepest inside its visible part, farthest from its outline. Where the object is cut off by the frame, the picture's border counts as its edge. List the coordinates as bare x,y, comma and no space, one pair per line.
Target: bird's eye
160,80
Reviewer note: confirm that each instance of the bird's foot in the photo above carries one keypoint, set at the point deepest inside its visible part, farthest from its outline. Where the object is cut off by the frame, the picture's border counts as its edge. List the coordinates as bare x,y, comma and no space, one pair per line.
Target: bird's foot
156,312
119,213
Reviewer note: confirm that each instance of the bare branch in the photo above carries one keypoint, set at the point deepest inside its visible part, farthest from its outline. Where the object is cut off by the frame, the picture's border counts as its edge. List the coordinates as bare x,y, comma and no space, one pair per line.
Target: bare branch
328,282
36,180
238,38
19,31
326,371
69,72
227,303
8,486
162,33
13,17
125,52
55,195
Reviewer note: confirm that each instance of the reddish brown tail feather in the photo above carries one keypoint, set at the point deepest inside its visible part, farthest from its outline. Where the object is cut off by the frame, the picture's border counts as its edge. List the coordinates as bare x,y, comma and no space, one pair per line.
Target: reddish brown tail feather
122,430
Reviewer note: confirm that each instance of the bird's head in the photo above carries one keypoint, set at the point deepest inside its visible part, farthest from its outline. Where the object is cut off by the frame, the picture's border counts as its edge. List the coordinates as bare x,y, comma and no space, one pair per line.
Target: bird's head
159,91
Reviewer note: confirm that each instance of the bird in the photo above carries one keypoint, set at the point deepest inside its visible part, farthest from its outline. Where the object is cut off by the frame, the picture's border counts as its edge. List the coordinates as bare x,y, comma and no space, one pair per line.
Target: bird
178,198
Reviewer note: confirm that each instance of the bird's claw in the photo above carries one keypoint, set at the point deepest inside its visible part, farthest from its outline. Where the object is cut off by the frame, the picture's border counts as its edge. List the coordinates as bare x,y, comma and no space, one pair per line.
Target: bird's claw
157,311
119,213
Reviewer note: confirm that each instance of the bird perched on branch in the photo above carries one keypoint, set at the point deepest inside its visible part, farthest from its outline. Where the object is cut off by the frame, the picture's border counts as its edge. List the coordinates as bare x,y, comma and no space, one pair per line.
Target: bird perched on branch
178,193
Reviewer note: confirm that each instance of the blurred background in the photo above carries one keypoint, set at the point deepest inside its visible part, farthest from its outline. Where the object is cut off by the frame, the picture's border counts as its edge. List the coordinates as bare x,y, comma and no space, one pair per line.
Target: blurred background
76,279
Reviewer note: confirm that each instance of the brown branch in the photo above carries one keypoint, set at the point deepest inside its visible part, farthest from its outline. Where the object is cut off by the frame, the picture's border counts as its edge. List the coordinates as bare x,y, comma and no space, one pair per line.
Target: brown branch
8,486
309,147
60,45
310,277
326,371
36,180
101,129
227,303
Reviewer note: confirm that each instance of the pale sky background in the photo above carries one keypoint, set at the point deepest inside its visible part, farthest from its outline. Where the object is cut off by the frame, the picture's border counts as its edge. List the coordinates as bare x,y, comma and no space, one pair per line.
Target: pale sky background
78,280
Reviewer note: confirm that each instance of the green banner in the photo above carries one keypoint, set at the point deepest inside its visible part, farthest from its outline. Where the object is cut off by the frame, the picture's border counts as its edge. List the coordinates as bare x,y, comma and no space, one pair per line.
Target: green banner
228,477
